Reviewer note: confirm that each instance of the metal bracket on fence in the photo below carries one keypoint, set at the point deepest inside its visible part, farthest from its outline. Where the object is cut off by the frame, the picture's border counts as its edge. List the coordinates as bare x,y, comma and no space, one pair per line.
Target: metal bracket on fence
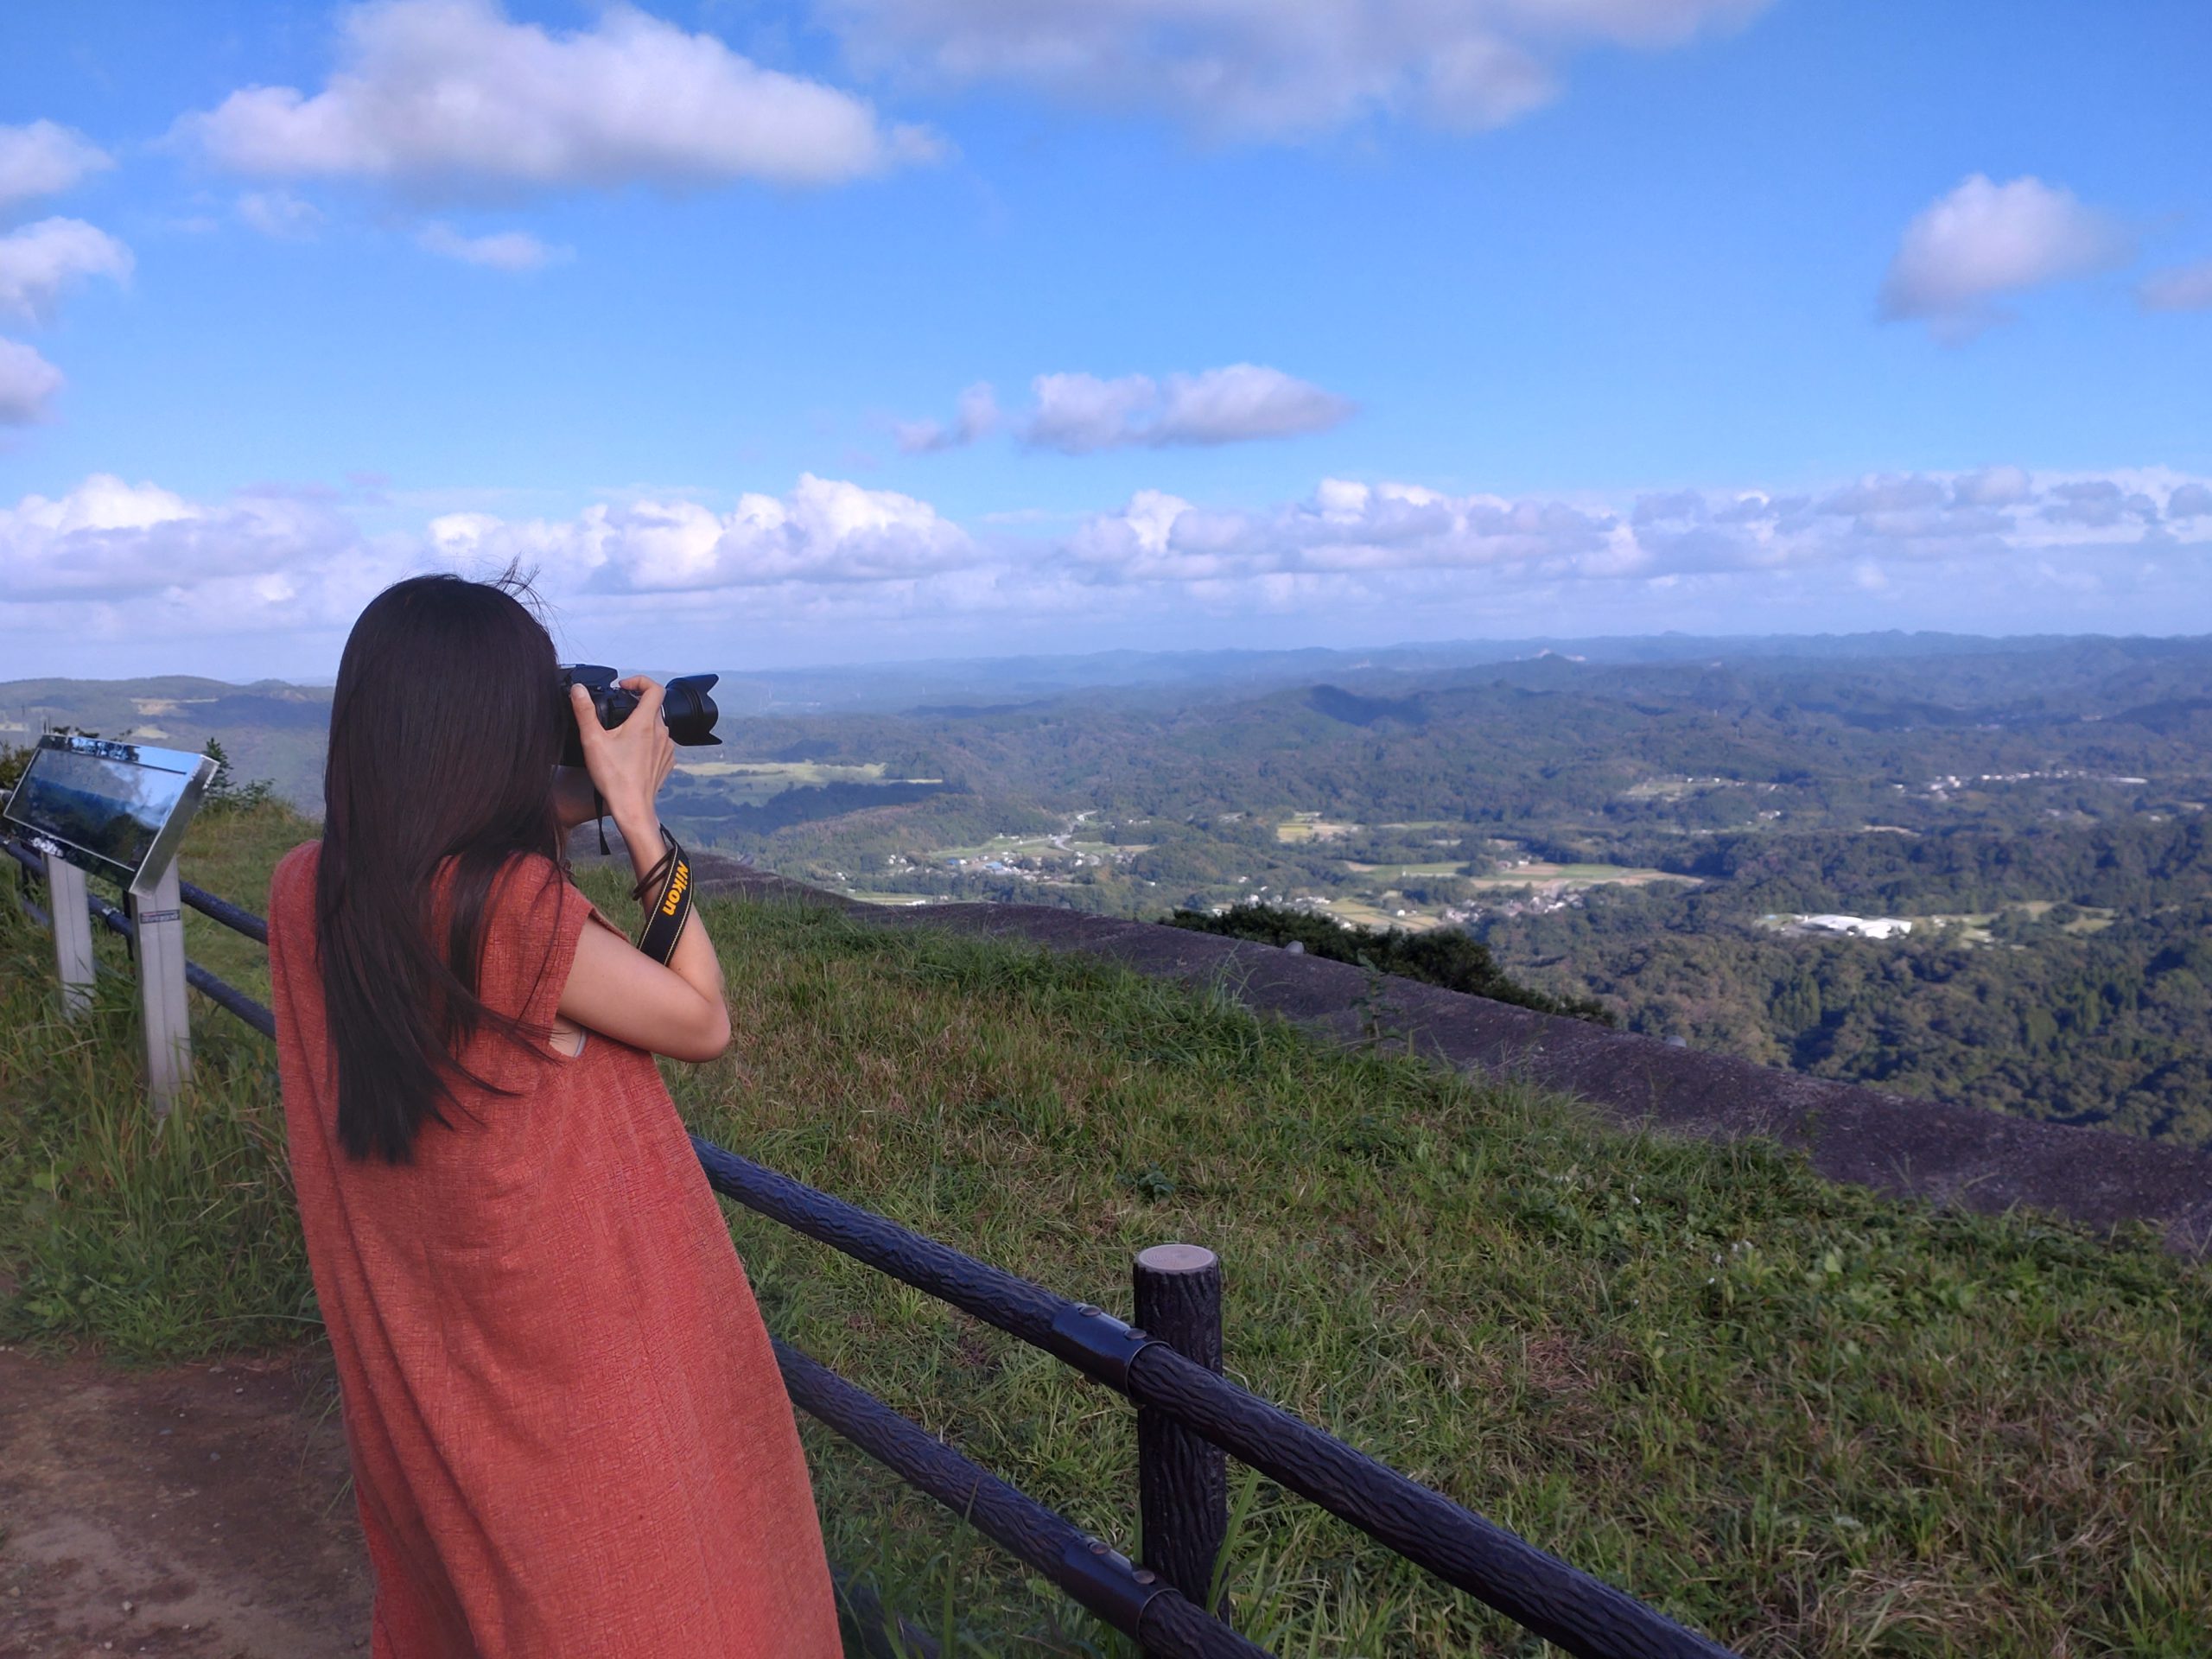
1095,1343
1109,1583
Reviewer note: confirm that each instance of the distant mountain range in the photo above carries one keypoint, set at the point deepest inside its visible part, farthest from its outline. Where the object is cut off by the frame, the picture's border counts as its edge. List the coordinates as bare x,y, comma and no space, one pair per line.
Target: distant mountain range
274,729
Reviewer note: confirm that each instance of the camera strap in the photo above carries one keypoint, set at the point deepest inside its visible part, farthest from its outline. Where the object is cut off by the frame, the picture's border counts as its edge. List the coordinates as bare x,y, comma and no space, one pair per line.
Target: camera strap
669,884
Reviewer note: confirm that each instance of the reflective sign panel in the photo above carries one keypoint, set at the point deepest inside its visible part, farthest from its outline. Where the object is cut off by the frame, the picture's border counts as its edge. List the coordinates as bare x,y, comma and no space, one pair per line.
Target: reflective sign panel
106,806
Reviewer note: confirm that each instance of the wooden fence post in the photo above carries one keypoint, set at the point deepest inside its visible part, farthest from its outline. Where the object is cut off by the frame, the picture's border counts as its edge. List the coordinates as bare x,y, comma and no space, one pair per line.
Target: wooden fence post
1182,1477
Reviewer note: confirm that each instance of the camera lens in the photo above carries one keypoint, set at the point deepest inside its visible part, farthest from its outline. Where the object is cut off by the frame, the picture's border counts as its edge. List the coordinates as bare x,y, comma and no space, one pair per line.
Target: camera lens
689,711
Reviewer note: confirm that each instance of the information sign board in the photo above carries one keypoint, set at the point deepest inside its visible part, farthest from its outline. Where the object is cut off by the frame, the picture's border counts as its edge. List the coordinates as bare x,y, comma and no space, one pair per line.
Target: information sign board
117,810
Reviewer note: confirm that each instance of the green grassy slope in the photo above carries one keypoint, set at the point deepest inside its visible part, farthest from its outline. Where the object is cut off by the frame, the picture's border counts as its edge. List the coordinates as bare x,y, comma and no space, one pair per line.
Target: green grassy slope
1805,1419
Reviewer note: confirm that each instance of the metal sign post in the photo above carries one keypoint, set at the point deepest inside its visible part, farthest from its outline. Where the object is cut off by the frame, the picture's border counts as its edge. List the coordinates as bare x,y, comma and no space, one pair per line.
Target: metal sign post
158,909
73,933
119,810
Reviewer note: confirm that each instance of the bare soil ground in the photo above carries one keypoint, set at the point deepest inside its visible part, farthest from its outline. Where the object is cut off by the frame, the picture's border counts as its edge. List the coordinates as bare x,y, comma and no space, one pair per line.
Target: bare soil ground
197,1512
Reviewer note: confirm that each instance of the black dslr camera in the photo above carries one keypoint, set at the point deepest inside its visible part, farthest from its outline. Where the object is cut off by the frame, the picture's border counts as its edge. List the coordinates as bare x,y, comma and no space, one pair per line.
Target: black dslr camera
686,709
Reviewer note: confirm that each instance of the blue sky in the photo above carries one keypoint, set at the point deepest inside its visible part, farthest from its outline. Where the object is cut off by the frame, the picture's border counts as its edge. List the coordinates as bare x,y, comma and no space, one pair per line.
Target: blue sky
1302,321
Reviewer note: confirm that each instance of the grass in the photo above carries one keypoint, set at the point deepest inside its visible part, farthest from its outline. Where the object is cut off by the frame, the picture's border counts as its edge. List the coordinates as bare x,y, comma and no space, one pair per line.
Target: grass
154,1242
1805,1419
231,854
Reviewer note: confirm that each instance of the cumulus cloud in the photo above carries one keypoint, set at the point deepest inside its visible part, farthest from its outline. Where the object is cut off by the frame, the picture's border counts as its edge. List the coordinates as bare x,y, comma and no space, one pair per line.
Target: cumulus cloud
976,414
1992,486
1271,69
115,560
1983,240
2182,288
27,384
503,251
825,530
39,261
1077,414
279,214
111,550
1242,401
2097,503
44,159
446,95
1345,526
1081,414
1875,524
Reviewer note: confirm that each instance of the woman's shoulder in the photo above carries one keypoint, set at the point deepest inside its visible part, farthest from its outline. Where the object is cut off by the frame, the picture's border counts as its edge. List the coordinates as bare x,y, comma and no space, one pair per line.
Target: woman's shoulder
531,898
295,871
526,879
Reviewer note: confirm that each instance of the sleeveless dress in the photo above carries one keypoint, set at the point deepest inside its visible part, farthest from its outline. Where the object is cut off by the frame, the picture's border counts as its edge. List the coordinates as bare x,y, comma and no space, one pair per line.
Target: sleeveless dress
569,1435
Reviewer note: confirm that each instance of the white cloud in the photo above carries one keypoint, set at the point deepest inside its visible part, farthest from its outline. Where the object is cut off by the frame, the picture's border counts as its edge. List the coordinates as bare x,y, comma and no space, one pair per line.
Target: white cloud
825,531
1387,529
1346,526
264,560
1242,401
503,251
44,159
854,569
1081,414
1271,69
2182,288
977,415
279,214
1077,414
39,261
1983,240
28,383
1992,486
441,96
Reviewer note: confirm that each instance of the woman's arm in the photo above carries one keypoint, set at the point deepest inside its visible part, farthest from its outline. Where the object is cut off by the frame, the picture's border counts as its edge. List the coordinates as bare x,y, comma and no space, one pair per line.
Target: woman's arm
614,988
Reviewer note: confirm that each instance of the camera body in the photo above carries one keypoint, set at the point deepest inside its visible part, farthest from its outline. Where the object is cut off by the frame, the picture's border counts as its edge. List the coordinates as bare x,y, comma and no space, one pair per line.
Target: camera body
687,711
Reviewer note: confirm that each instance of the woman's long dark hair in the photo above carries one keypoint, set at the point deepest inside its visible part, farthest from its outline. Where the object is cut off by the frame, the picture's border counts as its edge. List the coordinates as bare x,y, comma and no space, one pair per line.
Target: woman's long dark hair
444,732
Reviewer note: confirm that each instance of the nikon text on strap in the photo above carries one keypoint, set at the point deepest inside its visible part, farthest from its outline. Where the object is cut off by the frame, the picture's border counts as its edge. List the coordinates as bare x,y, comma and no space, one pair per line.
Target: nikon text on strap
668,885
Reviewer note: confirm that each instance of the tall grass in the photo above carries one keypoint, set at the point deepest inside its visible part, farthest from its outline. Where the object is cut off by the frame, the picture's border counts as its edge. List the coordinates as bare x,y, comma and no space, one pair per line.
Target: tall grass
1806,1419
1802,1417
155,1240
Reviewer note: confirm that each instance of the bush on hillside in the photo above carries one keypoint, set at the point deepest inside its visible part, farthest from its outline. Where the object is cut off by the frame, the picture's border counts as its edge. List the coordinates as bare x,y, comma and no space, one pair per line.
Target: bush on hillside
1444,956
225,793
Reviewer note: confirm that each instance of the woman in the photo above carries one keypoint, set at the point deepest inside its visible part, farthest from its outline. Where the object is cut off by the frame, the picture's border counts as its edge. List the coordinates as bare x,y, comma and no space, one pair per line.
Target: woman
567,1431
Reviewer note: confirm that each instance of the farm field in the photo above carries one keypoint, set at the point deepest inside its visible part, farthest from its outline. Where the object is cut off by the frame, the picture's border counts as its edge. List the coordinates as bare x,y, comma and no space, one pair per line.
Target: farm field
750,783
1532,871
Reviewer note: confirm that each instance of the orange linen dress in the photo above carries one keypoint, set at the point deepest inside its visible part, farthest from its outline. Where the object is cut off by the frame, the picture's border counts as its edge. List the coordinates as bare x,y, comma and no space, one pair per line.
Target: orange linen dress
569,1435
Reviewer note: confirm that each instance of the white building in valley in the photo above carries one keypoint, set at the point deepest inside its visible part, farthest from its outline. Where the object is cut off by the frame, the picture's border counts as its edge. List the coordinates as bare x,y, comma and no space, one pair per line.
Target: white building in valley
1865,927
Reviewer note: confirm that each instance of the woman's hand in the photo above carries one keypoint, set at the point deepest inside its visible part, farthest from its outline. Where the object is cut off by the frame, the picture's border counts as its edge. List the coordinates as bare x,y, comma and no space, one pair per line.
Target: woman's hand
614,988
629,764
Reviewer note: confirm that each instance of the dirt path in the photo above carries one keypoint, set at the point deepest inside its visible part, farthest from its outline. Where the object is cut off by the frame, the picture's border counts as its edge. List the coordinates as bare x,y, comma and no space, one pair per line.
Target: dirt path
198,1512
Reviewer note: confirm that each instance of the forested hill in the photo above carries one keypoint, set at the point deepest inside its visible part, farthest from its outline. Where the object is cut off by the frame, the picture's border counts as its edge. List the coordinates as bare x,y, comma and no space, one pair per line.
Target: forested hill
1648,833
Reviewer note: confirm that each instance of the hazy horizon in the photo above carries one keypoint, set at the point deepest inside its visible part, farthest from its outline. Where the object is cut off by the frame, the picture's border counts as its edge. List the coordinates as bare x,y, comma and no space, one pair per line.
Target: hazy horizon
1468,652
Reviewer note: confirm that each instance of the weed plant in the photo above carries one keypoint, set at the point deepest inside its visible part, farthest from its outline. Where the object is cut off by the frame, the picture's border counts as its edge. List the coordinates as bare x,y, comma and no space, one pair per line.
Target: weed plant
1805,1419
